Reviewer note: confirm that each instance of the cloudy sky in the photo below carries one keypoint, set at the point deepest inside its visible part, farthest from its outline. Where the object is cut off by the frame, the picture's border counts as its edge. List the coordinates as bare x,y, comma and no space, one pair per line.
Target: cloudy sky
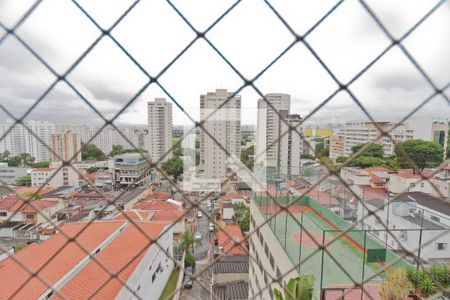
250,37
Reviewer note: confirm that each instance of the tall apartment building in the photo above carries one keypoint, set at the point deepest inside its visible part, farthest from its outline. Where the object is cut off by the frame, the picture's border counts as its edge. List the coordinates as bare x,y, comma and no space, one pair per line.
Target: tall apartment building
360,132
107,137
160,130
20,140
290,144
225,126
13,138
66,146
278,146
268,128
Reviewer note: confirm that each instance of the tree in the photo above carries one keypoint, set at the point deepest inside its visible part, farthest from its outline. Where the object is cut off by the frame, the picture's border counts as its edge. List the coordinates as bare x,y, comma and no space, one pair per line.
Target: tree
187,241
4,156
42,164
24,180
422,153
91,152
27,159
247,157
367,162
173,167
341,159
374,150
14,161
242,216
306,156
116,149
91,170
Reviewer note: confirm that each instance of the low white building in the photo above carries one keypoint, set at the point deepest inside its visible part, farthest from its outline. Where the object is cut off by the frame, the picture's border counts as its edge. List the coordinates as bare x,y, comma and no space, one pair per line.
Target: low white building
417,220
10,175
407,182
54,177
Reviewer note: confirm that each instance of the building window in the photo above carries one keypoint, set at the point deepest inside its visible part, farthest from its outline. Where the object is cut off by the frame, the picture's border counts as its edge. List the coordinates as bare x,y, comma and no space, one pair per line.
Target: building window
436,219
3,213
29,216
441,246
404,235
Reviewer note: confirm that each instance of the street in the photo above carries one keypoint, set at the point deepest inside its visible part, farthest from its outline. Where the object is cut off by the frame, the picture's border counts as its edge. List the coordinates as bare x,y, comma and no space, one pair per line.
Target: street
202,256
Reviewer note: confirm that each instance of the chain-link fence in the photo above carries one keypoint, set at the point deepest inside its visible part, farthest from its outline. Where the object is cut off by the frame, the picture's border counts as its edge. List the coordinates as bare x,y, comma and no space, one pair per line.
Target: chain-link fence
313,223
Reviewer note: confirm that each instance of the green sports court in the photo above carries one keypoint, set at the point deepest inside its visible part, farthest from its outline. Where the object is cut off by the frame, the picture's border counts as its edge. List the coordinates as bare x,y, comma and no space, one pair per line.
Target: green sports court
357,255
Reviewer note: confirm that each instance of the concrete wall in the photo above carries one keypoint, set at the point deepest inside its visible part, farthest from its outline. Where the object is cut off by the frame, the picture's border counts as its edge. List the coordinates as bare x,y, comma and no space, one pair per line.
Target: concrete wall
145,280
257,270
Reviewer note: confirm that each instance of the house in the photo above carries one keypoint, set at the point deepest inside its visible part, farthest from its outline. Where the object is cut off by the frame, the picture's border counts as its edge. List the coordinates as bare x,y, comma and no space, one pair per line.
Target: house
54,177
75,273
413,218
230,241
405,181
376,177
14,209
231,268
168,211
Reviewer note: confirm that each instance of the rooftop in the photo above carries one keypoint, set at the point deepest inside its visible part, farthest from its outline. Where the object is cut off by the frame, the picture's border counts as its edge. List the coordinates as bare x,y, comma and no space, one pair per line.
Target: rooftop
167,215
431,202
14,203
154,205
231,290
56,263
229,246
232,264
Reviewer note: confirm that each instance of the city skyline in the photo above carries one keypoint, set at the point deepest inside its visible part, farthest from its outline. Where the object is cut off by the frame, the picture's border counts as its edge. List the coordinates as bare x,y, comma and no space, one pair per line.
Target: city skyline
392,82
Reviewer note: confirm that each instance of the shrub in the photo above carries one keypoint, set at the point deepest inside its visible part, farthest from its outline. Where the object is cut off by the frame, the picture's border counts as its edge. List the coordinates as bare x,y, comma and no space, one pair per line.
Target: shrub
396,285
189,260
427,286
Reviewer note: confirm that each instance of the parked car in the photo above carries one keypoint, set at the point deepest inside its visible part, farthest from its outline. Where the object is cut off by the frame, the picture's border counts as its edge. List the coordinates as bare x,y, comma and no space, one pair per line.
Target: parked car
199,214
198,235
189,270
211,227
187,282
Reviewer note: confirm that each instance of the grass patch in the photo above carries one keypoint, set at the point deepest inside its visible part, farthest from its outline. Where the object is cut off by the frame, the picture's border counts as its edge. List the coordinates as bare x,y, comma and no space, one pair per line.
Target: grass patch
171,285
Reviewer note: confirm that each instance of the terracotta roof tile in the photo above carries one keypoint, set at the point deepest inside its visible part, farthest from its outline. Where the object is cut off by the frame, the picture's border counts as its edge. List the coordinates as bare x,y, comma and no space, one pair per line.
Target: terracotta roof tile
159,196
167,215
154,205
131,244
135,215
36,256
224,240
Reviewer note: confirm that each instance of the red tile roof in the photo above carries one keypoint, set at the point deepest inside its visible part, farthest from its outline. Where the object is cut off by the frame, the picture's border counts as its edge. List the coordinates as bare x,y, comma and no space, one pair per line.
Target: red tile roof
121,256
13,203
376,179
224,240
43,169
373,193
56,256
155,205
159,196
135,215
231,196
377,169
167,215
32,189
54,266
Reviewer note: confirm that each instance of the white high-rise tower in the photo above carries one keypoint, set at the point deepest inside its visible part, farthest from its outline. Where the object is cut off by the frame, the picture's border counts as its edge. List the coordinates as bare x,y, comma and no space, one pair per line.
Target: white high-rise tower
160,130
